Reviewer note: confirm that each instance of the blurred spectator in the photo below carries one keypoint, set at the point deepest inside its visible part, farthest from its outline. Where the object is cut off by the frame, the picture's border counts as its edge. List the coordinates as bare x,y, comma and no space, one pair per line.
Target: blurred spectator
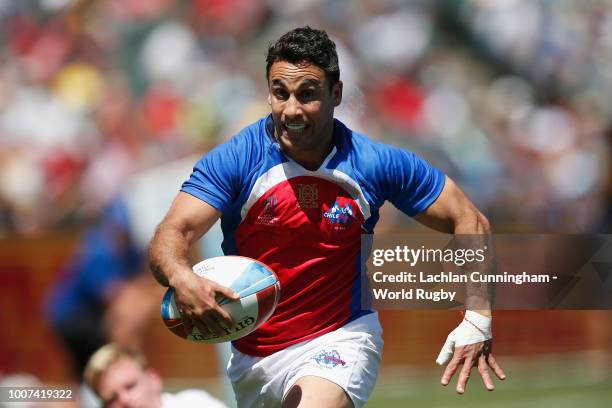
102,294
121,378
106,292
512,98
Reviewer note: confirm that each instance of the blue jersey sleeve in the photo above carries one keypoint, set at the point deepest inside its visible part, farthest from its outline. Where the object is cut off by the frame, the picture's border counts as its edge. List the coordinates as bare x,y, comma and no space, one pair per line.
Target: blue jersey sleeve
411,183
216,178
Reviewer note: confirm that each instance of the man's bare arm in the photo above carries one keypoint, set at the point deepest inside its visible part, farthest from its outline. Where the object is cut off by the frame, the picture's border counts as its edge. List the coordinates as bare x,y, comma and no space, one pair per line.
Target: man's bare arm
453,212
187,220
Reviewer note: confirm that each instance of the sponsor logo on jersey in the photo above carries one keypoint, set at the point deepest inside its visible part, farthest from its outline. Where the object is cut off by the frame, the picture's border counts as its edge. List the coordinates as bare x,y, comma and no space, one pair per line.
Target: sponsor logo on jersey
268,214
340,214
329,359
308,195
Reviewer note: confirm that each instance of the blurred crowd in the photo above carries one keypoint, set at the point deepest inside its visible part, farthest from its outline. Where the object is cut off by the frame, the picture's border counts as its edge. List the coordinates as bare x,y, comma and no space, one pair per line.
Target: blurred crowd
512,98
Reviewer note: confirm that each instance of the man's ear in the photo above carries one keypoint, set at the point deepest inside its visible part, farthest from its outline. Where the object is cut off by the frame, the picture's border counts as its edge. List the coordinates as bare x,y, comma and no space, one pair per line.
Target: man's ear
269,99
337,93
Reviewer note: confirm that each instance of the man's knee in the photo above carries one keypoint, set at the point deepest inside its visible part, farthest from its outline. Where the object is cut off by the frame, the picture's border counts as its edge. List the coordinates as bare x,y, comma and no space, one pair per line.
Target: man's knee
316,392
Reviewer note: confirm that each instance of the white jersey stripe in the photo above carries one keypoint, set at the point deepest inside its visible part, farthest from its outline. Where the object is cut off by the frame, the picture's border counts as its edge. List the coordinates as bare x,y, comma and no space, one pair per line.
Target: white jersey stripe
291,169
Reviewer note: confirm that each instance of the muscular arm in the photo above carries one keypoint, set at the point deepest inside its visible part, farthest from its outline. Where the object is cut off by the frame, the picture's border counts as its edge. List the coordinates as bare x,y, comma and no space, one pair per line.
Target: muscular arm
196,297
188,219
454,213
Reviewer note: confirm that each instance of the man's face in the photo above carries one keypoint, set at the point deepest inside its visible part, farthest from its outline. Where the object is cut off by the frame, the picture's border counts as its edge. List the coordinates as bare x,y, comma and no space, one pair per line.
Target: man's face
127,385
302,107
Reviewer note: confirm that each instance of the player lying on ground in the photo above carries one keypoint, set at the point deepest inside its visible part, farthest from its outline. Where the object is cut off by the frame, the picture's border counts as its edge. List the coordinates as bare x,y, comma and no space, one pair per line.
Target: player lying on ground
121,378
296,190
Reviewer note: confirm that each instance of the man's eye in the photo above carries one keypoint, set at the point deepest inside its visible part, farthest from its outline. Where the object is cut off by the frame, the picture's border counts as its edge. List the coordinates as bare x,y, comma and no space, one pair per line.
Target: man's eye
308,95
280,94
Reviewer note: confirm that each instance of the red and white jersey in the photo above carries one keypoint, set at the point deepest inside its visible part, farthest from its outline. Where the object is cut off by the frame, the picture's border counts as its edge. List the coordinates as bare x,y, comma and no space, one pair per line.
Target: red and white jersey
307,225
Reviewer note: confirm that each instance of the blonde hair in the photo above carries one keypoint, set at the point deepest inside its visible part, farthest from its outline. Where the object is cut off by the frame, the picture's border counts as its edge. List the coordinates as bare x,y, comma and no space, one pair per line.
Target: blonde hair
104,357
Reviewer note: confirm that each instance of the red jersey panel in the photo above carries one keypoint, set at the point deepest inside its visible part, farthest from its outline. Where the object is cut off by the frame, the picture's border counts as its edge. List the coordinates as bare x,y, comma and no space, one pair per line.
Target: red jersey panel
308,230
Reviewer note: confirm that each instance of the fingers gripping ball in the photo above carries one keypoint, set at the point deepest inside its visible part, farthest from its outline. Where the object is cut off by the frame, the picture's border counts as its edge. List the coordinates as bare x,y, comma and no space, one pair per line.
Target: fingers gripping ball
257,285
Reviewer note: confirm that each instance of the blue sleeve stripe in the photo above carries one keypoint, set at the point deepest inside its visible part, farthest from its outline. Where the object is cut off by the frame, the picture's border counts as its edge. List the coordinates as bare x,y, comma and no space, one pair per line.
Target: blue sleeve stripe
204,196
439,182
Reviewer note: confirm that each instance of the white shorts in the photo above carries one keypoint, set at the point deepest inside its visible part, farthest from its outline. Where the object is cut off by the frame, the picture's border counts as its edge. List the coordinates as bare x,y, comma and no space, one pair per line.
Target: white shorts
349,356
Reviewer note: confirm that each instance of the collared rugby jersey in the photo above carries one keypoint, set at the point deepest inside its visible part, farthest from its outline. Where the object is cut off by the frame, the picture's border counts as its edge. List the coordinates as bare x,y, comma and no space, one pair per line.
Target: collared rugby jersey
307,225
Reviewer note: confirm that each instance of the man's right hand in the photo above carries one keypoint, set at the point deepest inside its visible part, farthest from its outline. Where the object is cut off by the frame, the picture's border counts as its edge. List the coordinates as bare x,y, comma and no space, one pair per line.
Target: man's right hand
197,299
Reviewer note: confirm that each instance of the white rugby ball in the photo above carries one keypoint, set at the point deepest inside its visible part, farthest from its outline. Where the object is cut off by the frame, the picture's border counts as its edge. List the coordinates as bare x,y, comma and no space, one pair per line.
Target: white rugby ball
255,282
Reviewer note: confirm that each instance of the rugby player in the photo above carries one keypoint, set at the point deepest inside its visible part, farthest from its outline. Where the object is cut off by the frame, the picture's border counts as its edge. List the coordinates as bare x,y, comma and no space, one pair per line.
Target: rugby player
296,190
121,377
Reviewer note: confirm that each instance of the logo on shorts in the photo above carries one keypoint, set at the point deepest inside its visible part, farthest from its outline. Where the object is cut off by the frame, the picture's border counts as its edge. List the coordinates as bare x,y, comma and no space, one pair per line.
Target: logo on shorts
329,359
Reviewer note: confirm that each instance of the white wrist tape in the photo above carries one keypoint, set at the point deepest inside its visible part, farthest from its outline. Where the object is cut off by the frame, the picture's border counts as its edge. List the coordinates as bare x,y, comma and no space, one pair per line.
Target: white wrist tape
473,329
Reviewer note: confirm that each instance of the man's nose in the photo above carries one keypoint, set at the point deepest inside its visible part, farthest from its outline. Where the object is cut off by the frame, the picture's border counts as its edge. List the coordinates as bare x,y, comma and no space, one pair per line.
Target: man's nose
293,107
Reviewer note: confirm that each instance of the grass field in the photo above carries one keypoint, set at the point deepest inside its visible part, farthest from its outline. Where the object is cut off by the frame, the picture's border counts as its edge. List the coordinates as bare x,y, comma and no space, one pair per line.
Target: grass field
581,380
576,380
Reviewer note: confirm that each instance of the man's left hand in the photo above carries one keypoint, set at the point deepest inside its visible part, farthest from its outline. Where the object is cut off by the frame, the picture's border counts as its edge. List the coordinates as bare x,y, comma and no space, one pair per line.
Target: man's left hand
470,344
473,355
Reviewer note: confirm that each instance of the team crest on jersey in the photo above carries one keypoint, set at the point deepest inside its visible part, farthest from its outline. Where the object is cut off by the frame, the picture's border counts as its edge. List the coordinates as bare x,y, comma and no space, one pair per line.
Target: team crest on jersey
268,214
308,195
329,359
340,214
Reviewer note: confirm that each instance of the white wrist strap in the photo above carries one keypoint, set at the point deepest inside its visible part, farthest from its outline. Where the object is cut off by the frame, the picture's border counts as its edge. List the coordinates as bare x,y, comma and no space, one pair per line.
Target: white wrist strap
474,328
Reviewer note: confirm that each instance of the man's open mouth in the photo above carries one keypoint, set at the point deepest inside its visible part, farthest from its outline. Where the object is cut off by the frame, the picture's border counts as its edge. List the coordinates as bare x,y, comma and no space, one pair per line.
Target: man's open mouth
295,128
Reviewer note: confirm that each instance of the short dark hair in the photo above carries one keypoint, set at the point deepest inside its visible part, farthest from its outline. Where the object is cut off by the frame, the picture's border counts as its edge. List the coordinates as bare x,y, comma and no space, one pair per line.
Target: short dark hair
306,44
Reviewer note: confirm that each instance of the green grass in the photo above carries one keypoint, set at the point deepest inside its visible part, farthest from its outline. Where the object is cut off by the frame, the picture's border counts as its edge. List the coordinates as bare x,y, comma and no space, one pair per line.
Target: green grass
577,381
572,380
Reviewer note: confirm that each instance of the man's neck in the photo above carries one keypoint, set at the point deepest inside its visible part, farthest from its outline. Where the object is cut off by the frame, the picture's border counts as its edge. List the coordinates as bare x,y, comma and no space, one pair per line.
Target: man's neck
310,160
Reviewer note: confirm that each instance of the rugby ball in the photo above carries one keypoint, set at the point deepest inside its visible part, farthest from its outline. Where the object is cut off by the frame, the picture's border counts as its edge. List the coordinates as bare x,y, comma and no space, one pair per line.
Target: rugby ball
256,283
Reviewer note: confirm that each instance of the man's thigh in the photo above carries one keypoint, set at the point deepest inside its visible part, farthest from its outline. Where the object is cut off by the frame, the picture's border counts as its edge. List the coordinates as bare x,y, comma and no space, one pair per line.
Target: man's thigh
316,392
